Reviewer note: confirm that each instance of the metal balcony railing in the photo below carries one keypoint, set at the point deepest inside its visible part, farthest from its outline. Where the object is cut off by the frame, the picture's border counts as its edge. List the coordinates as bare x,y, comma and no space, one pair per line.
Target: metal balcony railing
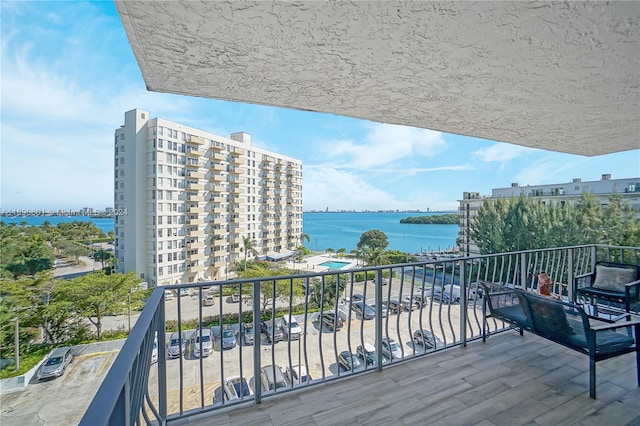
389,314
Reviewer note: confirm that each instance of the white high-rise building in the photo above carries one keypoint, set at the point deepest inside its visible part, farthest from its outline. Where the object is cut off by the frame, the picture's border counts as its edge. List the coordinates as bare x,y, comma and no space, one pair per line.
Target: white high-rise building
568,192
186,199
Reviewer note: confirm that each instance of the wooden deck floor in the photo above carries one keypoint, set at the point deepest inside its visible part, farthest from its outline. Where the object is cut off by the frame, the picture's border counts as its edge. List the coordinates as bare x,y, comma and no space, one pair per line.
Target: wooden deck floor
510,380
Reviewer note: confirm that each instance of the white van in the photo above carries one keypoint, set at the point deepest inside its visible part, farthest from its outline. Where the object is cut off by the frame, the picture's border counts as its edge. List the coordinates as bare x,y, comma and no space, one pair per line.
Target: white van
203,342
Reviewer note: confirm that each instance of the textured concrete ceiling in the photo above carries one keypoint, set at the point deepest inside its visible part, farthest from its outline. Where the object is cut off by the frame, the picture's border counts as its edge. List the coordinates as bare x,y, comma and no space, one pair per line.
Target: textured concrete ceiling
557,76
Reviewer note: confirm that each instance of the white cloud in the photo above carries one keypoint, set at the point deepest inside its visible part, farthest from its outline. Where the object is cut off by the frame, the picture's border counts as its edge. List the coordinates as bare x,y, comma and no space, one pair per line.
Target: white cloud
326,186
502,152
550,168
385,143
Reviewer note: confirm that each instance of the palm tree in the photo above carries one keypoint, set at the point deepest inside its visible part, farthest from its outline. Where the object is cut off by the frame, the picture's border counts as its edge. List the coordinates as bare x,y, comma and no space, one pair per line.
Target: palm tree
330,251
248,245
375,257
304,237
341,251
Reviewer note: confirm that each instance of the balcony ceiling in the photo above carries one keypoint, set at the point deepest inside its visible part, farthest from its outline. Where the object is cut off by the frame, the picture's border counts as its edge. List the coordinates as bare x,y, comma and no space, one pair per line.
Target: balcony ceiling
560,76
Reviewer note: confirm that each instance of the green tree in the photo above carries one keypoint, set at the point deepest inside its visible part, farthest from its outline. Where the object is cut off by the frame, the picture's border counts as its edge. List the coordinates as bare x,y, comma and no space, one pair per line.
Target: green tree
324,293
97,294
524,223
102,256
375,257
272,289
373,239
341,251
248,246
304,237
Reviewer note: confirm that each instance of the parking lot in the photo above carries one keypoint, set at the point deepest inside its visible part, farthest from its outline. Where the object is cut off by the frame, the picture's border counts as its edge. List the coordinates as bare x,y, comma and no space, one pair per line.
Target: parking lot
317,349
59,401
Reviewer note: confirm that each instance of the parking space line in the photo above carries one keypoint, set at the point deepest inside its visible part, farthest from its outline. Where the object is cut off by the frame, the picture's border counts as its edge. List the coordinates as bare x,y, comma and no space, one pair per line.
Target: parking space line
106,362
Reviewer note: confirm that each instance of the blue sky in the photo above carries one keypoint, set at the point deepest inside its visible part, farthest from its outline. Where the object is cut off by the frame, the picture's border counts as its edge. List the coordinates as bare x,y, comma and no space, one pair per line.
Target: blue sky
68,75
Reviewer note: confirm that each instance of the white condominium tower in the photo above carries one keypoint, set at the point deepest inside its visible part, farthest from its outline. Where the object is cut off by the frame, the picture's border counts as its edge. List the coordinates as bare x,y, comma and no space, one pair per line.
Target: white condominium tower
186,199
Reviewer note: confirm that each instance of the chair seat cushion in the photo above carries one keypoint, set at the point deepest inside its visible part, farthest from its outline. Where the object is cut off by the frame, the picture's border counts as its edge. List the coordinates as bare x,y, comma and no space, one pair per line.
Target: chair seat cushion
602,293
512,314
606,341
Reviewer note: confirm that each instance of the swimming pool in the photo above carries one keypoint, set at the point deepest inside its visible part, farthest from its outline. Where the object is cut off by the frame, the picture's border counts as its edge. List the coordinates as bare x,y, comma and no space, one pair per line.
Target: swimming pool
334,265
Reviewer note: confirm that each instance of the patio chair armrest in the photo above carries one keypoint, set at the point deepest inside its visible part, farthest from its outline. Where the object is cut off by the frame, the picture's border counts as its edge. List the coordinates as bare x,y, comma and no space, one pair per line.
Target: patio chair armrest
621,323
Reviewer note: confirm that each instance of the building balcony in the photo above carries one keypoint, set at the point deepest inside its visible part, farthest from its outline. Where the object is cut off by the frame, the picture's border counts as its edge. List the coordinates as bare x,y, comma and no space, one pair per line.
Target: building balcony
195,186
452,378
194,174
195,197
218,156
237,170
196,268
195,232
219,231
219,210
217,177
196,256
197,245
192,164
237,190
196,140
194,152
236,160
219,168
196,210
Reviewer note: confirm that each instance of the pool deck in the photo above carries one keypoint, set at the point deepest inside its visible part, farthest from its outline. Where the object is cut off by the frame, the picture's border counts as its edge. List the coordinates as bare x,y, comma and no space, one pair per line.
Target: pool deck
313,263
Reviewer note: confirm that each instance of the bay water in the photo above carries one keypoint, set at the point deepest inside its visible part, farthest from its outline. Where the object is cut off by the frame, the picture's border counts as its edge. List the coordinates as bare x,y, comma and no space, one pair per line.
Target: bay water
328,230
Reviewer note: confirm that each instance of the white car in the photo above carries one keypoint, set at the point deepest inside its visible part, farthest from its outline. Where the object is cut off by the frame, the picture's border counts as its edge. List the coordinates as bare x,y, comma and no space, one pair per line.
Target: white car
391,349
297,374
168,295
290,327
236,387
203,342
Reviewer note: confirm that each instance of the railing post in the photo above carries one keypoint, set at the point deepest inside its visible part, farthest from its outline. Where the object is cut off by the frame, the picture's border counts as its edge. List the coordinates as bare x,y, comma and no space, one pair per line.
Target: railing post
571,284
162,365
463,303
523,270
378,319
256,342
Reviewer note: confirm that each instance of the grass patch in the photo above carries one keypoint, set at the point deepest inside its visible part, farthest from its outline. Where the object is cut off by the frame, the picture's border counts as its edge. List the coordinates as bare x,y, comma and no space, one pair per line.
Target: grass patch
32,356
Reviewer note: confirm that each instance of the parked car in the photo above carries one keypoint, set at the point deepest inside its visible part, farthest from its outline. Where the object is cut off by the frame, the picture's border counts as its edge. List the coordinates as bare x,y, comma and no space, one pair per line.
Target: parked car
290,327
272,378
427,339
209,300
168,295
368,354
203,342
393,306
357,298
363,310
349,361
246,330
332,321
384,309
385,281
236,387
56,363
154,350
273,333
227,338
184,291
391,349
410,304
297,374
175,346
447,293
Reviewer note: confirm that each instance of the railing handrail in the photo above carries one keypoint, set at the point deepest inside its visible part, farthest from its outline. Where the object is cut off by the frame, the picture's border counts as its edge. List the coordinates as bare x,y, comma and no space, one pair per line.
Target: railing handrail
100,409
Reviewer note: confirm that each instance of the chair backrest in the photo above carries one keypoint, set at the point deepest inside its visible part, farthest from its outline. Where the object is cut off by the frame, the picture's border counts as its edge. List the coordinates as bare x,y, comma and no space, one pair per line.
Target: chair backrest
550,317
